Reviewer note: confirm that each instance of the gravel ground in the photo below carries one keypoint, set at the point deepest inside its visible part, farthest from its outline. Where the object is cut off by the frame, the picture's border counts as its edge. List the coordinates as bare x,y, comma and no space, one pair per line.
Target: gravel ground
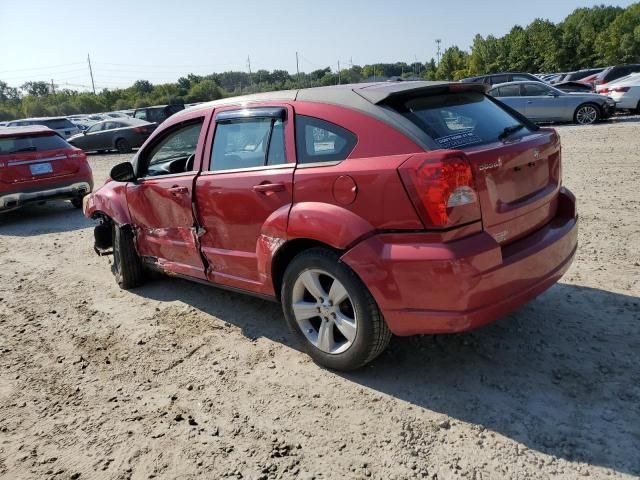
178,380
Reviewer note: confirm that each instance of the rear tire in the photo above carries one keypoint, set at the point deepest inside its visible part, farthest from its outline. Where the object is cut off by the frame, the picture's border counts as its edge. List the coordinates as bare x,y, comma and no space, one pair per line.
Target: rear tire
637,110
127,266
347,315
586,114
123,146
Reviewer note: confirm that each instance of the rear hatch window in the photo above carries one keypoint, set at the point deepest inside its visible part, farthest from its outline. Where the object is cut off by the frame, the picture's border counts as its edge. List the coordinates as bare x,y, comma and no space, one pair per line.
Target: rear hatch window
57,124
460,119
11,145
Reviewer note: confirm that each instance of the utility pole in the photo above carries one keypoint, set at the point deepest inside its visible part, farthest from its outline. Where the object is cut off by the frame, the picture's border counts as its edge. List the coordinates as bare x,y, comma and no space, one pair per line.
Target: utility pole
249,65
339,80
438,42
53,87
298,69
93,85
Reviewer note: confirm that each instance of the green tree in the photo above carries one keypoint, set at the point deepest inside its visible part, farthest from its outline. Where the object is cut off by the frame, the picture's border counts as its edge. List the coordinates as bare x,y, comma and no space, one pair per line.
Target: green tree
579,33
204,91
37,89
143,86
453,64
620,42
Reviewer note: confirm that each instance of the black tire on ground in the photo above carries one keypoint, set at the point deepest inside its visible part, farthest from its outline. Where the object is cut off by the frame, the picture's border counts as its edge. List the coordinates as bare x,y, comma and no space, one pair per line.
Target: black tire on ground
123,146
127,267
637,110
76,202
587,114
372,334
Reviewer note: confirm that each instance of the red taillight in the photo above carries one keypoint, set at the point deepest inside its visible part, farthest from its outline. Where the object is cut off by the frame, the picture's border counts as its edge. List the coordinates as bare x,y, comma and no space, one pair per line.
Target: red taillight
139,129
620,89
603,90
441,187
77,155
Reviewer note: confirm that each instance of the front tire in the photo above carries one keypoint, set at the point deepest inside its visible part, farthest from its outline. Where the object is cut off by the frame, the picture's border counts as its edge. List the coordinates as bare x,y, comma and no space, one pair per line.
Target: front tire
127,267
331,311
123,146
586,114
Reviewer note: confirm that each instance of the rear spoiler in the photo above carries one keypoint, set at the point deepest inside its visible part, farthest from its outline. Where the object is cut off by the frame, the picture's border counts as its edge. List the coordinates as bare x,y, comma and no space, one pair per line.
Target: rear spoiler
383,93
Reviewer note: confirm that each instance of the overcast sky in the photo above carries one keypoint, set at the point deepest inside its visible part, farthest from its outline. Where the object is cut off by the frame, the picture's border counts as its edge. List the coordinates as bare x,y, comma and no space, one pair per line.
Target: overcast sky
162,40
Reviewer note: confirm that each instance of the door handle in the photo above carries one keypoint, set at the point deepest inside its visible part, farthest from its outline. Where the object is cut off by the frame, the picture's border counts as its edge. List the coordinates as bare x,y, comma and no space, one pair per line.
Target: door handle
176,190
268,187
529,101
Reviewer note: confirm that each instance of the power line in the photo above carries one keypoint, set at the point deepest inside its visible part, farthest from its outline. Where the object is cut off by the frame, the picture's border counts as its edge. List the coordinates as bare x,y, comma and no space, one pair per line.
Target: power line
41,68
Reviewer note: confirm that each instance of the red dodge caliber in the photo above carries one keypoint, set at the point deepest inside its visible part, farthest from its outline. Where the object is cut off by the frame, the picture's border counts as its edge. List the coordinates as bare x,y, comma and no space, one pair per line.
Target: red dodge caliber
366,210
37,164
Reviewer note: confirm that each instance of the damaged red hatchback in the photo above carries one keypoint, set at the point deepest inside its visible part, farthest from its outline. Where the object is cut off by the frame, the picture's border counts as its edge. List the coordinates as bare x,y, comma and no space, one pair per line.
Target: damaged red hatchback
366,210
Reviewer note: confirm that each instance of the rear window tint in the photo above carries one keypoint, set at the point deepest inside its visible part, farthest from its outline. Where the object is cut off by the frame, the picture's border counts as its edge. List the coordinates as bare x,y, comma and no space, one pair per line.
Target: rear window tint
321,141
56,124
38,143
455,120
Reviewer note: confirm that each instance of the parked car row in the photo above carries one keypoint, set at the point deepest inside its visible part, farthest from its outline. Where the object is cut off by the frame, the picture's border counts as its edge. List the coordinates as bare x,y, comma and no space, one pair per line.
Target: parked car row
584,96
121,131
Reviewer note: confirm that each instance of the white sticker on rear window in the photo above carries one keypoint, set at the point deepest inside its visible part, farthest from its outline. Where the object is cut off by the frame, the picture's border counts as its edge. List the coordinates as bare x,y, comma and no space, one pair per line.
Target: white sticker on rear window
458,139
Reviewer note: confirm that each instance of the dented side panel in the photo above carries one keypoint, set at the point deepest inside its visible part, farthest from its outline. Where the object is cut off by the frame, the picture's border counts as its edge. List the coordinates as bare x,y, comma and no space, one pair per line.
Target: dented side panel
164,225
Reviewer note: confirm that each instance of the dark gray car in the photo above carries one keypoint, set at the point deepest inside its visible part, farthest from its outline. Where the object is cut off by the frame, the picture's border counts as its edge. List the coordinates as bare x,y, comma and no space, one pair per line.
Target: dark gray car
543,103
120,134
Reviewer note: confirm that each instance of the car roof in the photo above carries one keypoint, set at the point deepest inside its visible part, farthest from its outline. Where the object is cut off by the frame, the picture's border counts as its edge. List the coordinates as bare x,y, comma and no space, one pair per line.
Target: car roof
26,131
40,119
362,96
519,82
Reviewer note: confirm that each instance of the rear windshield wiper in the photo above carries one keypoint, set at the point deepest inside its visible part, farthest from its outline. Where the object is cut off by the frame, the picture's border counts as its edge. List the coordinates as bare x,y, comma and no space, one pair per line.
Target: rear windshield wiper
25,149
509,130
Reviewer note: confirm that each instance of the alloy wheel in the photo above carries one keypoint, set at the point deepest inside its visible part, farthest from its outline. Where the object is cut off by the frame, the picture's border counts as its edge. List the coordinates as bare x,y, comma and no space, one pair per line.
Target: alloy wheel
324,311
586,115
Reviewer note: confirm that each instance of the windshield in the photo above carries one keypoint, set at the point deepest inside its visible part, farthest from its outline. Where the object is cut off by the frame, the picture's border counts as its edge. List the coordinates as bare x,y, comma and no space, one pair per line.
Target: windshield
462,119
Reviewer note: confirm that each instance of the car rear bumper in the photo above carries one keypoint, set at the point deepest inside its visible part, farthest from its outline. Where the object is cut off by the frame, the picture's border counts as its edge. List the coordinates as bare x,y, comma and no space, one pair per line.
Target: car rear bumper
68,190
426,287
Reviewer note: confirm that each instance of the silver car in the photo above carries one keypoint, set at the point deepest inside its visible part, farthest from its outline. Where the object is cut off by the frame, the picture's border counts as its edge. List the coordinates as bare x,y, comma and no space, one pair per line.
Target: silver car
543,103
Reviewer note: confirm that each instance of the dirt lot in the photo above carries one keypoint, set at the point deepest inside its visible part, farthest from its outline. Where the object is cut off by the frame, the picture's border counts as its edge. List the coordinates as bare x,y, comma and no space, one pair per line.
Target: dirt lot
178,380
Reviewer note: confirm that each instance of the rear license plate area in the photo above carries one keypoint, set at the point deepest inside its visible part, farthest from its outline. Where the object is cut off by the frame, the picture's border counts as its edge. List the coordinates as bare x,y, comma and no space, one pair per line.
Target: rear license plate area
41,168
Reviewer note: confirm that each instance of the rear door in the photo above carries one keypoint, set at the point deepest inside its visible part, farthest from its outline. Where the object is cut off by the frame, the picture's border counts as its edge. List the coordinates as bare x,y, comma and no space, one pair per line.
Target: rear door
247,176
543,103
160,202
95,138
510,94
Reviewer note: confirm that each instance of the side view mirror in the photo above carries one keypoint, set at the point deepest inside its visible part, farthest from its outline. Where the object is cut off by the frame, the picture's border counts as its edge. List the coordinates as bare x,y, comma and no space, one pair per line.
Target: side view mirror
123,172
84,132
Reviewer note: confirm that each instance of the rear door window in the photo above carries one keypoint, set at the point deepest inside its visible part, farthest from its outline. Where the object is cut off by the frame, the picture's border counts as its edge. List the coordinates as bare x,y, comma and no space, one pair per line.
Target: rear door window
536,90
456,120
321,141
495,79
40,143
507,91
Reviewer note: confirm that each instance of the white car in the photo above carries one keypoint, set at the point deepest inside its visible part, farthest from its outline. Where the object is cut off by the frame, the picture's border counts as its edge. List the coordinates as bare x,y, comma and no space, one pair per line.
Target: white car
624,91
61,125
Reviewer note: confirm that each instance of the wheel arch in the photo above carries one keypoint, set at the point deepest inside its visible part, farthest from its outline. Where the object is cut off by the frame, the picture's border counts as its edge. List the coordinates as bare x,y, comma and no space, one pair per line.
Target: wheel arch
286,253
